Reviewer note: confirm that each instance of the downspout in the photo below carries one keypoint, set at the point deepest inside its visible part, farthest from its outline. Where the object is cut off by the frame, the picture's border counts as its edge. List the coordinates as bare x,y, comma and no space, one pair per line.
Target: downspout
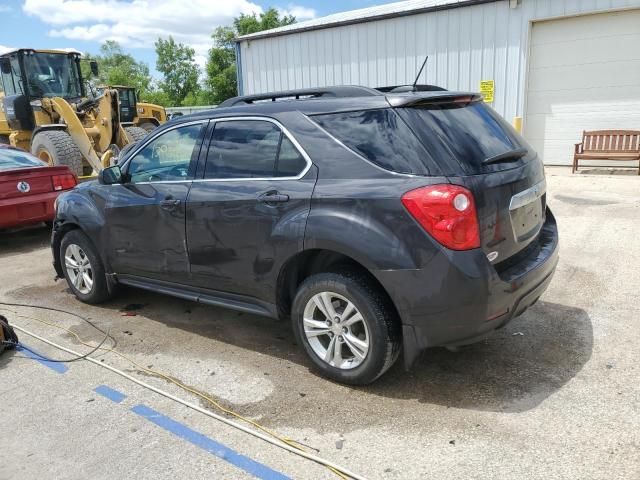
239,69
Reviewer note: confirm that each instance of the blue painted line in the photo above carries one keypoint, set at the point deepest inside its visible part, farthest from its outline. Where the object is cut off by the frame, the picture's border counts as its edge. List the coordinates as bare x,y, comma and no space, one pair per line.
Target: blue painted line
252,467
110,393
55,366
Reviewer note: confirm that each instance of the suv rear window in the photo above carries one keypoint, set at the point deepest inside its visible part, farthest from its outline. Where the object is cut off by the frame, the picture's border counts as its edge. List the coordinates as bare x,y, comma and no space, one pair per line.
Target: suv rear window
469,133
381,137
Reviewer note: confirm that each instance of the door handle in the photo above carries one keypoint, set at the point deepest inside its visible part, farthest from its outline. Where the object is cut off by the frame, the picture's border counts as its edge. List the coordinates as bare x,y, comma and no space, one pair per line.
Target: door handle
169,203
273,197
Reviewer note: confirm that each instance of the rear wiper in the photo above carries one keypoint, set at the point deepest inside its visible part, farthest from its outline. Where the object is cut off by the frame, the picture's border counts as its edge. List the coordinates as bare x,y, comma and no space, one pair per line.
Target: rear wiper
509,156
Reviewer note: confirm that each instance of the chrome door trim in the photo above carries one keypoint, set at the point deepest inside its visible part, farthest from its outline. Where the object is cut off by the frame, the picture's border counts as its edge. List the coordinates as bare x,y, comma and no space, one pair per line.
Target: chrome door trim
284,130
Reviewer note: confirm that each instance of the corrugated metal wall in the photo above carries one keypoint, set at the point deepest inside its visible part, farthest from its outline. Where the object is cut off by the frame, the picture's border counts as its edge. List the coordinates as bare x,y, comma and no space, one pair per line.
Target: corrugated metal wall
465,45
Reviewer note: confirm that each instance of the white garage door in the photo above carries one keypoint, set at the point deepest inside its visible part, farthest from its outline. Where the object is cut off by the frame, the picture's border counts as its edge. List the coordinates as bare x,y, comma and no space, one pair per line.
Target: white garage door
584,74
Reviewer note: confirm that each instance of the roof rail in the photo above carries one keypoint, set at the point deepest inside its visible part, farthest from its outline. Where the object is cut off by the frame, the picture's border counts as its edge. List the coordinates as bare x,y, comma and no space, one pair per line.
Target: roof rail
411,88
341,91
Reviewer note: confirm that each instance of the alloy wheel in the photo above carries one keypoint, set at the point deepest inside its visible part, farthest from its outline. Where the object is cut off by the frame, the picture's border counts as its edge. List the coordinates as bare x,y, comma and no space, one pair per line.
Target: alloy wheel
78,268
336,330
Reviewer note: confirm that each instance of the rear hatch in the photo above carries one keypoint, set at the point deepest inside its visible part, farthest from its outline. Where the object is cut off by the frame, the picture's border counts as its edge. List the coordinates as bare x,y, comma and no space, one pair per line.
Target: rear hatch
477,149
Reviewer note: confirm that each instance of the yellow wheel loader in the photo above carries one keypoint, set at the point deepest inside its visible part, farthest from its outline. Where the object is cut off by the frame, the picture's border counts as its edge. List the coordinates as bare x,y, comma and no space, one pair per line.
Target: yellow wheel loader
133,112
44,109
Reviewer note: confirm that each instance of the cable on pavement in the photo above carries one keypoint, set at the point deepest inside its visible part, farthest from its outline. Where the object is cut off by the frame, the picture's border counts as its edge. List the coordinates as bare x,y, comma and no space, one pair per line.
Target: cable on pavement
288,444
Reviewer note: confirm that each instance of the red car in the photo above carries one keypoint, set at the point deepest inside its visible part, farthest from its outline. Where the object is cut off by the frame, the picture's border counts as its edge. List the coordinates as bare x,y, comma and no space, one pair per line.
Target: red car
29,188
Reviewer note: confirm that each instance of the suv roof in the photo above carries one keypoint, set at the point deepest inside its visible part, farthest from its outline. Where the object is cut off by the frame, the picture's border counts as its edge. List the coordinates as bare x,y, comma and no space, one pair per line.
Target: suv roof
329,99
341,91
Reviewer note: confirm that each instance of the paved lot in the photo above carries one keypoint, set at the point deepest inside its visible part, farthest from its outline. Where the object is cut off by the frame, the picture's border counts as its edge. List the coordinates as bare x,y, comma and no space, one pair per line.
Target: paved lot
554,395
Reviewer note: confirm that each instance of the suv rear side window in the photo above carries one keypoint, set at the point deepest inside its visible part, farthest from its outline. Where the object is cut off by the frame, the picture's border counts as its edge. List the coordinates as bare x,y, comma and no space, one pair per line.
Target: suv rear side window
251,149
466,132
381,137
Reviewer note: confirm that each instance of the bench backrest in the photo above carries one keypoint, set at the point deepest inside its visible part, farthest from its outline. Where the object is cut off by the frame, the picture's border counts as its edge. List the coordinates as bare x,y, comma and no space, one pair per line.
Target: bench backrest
611,141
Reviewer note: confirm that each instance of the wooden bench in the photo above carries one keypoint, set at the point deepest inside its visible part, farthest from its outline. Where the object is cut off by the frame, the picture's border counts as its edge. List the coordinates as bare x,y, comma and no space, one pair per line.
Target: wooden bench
608,145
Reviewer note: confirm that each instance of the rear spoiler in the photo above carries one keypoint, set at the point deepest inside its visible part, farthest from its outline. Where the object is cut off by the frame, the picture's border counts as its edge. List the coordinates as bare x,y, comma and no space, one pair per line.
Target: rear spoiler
433,99
411,88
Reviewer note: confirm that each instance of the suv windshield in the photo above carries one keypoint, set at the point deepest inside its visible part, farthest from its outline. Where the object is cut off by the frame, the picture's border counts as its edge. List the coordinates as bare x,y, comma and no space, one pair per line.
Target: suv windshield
52,75
470,133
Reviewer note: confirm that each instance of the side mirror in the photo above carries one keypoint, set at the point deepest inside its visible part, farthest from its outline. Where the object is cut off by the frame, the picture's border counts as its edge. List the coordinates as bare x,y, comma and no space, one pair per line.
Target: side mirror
5,66
110,176
94,68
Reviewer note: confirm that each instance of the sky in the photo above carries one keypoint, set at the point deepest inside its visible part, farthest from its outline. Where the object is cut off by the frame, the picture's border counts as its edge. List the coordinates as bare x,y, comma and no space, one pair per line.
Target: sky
136,24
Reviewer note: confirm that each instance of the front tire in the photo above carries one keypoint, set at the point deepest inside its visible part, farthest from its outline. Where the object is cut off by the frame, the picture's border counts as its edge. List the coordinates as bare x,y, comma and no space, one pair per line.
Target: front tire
83,268
56,147
347,327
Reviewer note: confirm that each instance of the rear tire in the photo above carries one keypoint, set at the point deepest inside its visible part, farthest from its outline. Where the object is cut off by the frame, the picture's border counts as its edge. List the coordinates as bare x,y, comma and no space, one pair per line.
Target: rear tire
136,133
148,126
376,335
56,147
83,268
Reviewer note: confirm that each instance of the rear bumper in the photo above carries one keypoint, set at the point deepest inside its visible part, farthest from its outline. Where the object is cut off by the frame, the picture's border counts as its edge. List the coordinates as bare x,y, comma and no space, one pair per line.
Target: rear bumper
461,298
27,210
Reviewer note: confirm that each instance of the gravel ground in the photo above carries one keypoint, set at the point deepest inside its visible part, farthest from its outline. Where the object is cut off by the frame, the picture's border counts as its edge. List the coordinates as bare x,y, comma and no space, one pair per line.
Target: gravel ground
555,394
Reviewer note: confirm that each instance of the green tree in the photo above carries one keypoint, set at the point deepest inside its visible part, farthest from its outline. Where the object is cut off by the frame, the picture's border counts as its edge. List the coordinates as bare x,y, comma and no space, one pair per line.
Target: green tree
118,68
247,24
155,95
176,62
221,64
197,98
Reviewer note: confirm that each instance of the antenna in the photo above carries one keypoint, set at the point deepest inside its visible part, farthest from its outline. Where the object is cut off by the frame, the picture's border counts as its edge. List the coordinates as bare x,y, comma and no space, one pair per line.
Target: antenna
420,72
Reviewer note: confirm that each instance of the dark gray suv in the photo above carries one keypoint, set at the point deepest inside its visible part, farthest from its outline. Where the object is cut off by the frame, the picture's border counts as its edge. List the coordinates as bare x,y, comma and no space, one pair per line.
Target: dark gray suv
378,222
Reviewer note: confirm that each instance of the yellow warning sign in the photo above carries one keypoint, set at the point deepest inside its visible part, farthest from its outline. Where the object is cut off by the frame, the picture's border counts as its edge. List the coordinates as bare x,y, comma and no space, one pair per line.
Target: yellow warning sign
487,89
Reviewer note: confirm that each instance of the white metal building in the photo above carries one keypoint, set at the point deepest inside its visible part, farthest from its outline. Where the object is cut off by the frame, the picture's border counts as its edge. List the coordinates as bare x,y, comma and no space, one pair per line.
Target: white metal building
563,66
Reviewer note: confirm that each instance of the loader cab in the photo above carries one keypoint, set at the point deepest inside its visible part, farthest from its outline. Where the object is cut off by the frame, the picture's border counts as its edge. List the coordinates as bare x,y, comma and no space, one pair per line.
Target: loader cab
128,103
39,74
28,76
141,114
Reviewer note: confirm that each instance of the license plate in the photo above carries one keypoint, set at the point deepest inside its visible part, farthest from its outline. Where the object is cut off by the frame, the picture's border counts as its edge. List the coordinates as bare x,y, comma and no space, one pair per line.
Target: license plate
527,212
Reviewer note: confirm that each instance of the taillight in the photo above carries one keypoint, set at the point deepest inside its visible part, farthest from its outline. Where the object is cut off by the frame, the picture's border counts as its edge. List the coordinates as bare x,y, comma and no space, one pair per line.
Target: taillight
447,213
63,182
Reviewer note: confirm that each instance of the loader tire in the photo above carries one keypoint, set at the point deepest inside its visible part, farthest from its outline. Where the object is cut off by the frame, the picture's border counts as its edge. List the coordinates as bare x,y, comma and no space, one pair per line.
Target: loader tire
148,126
56,147
4,140
136,133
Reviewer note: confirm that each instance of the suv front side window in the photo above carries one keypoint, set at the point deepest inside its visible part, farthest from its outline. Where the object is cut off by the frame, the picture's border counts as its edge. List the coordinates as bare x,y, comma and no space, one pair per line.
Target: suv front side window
251,149
167,157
